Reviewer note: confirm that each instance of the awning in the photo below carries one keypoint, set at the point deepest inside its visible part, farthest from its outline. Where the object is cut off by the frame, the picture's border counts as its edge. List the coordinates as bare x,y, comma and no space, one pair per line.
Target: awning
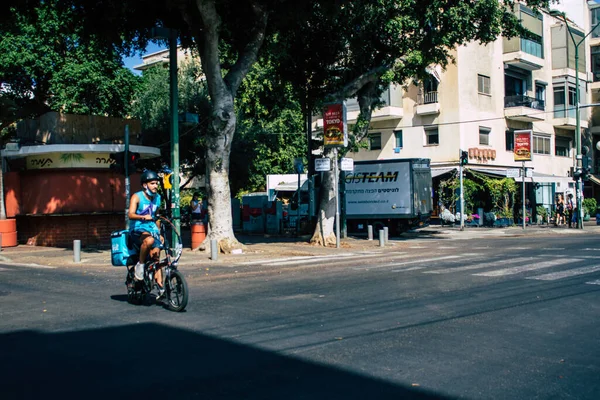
435,172
292,186
595,180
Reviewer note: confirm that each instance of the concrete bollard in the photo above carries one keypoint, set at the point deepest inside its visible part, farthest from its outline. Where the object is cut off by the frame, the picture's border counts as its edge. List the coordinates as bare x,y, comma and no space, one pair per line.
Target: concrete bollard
386,234
381,238
214,249
369,232
76,251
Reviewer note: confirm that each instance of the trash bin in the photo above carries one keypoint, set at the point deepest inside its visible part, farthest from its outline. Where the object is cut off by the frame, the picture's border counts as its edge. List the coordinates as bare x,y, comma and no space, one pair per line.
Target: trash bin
198,233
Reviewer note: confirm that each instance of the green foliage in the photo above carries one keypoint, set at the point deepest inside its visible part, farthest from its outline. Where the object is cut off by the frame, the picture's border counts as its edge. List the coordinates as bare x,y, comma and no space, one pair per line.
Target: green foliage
152,106
270,132
450,196
502,193
590,205
46,66
541,211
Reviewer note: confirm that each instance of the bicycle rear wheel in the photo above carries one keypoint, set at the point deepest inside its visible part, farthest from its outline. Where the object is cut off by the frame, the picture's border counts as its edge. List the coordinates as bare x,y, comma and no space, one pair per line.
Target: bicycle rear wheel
177,291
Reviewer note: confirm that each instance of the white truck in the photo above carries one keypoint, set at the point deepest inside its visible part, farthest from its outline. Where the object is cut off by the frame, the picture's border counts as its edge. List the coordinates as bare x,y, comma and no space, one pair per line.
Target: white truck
393,193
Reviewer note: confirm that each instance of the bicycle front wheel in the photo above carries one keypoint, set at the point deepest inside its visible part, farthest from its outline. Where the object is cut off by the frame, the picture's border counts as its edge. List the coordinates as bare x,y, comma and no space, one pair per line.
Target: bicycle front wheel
177,291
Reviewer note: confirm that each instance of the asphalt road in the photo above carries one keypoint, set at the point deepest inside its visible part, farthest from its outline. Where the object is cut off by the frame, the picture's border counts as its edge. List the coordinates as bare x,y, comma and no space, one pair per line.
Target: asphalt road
514,318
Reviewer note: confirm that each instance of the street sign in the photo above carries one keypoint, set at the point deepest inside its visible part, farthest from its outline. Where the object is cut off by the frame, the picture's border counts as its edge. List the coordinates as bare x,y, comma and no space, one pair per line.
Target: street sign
322,164
512,173
347,164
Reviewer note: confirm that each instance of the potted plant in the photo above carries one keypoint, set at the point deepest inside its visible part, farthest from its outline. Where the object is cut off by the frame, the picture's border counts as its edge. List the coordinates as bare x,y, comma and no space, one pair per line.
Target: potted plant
542,214
589,207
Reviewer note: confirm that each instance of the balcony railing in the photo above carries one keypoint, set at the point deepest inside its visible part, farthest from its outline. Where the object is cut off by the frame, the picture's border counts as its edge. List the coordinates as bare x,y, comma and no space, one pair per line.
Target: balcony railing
524,101
427,98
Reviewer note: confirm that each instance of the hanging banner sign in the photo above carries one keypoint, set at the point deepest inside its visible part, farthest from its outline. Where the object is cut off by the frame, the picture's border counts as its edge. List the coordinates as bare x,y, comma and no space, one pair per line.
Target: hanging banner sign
335,127
523,145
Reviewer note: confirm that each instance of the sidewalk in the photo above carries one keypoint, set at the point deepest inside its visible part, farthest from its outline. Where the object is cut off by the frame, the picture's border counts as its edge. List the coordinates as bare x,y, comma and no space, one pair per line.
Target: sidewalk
259,248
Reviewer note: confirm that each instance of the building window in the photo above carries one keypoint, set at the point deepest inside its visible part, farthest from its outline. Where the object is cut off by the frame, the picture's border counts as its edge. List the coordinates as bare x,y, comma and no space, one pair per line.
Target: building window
432,136
541,144
594,21
596,60
562,146
483,84
510,140
398,138
564,104
484,135
375,141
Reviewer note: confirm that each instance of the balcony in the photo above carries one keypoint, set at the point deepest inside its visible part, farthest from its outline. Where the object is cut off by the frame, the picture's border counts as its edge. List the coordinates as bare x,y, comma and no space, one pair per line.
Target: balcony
566,118
427,103
524,108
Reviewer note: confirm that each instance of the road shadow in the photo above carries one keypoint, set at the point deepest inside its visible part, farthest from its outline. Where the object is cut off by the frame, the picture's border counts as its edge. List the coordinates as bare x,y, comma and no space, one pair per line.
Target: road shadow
155,360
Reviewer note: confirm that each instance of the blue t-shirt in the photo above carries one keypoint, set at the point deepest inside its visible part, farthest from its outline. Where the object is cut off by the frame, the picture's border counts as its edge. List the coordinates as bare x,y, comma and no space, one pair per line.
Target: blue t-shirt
145,207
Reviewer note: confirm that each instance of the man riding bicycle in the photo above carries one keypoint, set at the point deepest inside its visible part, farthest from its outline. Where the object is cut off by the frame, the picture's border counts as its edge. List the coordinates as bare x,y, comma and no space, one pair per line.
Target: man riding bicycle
143,227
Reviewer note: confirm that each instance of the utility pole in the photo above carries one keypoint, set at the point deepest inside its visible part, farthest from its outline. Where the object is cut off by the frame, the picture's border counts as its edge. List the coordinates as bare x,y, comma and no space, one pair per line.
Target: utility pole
174,103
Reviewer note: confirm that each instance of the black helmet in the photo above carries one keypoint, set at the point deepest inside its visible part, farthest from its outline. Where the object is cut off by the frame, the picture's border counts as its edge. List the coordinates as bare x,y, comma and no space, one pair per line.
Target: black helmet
148,176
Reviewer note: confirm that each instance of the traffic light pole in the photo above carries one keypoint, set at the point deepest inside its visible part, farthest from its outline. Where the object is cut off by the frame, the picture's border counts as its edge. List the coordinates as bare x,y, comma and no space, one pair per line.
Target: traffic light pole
524,215
462,197
174,100
127,184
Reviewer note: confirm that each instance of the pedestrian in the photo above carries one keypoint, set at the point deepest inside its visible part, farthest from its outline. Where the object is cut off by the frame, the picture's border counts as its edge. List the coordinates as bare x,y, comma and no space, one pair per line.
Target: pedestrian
197,209
560,210
570,209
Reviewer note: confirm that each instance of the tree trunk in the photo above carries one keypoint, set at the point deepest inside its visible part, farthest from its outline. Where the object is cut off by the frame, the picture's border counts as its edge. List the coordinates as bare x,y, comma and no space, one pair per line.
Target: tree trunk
222,89
368,96
324,234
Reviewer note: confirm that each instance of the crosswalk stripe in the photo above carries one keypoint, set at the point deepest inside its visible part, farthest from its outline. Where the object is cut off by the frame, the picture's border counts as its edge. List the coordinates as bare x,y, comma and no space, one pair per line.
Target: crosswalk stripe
531,267
325,258
479,266
596,282
566,274
420,261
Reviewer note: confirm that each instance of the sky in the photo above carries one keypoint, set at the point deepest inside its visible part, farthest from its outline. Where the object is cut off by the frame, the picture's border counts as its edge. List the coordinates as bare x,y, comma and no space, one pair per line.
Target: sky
130,62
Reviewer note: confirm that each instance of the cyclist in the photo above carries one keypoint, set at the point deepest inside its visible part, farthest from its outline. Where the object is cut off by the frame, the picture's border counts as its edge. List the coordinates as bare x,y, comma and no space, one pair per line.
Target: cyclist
143,229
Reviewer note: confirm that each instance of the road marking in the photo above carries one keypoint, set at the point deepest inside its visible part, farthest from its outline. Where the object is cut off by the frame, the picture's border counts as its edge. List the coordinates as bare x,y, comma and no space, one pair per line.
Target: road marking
408,269
417,247
27,265
597,282
325,258
588,249
421,261
520,248
553,248
479,266
566,274
530,267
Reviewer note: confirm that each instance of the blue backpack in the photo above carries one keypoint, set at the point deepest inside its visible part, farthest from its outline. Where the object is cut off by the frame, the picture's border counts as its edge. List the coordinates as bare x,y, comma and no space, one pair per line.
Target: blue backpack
121,254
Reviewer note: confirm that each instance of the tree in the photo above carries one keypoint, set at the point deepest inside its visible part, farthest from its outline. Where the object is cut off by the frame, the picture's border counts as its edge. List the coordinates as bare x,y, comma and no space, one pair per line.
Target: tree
44,66
369,45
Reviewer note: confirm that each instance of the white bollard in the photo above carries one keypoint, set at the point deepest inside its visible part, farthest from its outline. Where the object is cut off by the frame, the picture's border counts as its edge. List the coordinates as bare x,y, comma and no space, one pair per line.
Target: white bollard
214,249
369,232
381,238
76,251
386,234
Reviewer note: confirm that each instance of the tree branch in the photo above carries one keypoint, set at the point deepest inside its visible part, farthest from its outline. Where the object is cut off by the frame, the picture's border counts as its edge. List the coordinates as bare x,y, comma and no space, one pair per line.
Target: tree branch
249,54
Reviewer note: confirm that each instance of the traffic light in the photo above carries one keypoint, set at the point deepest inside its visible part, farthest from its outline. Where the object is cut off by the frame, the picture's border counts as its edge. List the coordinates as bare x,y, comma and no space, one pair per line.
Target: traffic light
132,161
168,180
464,157
586,165
118,162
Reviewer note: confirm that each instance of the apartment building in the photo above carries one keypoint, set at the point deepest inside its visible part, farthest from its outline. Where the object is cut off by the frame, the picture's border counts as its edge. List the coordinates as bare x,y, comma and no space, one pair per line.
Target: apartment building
476,104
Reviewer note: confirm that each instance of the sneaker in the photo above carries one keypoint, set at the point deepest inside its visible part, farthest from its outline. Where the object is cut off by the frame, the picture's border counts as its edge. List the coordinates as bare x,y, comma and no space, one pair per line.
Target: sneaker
139,271
161,293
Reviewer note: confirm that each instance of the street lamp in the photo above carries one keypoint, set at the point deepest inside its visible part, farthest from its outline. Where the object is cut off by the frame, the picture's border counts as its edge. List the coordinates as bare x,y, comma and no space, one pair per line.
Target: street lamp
578,188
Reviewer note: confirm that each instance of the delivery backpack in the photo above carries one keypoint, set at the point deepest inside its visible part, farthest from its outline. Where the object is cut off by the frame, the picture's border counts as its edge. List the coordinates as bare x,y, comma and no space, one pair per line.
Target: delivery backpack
121,253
